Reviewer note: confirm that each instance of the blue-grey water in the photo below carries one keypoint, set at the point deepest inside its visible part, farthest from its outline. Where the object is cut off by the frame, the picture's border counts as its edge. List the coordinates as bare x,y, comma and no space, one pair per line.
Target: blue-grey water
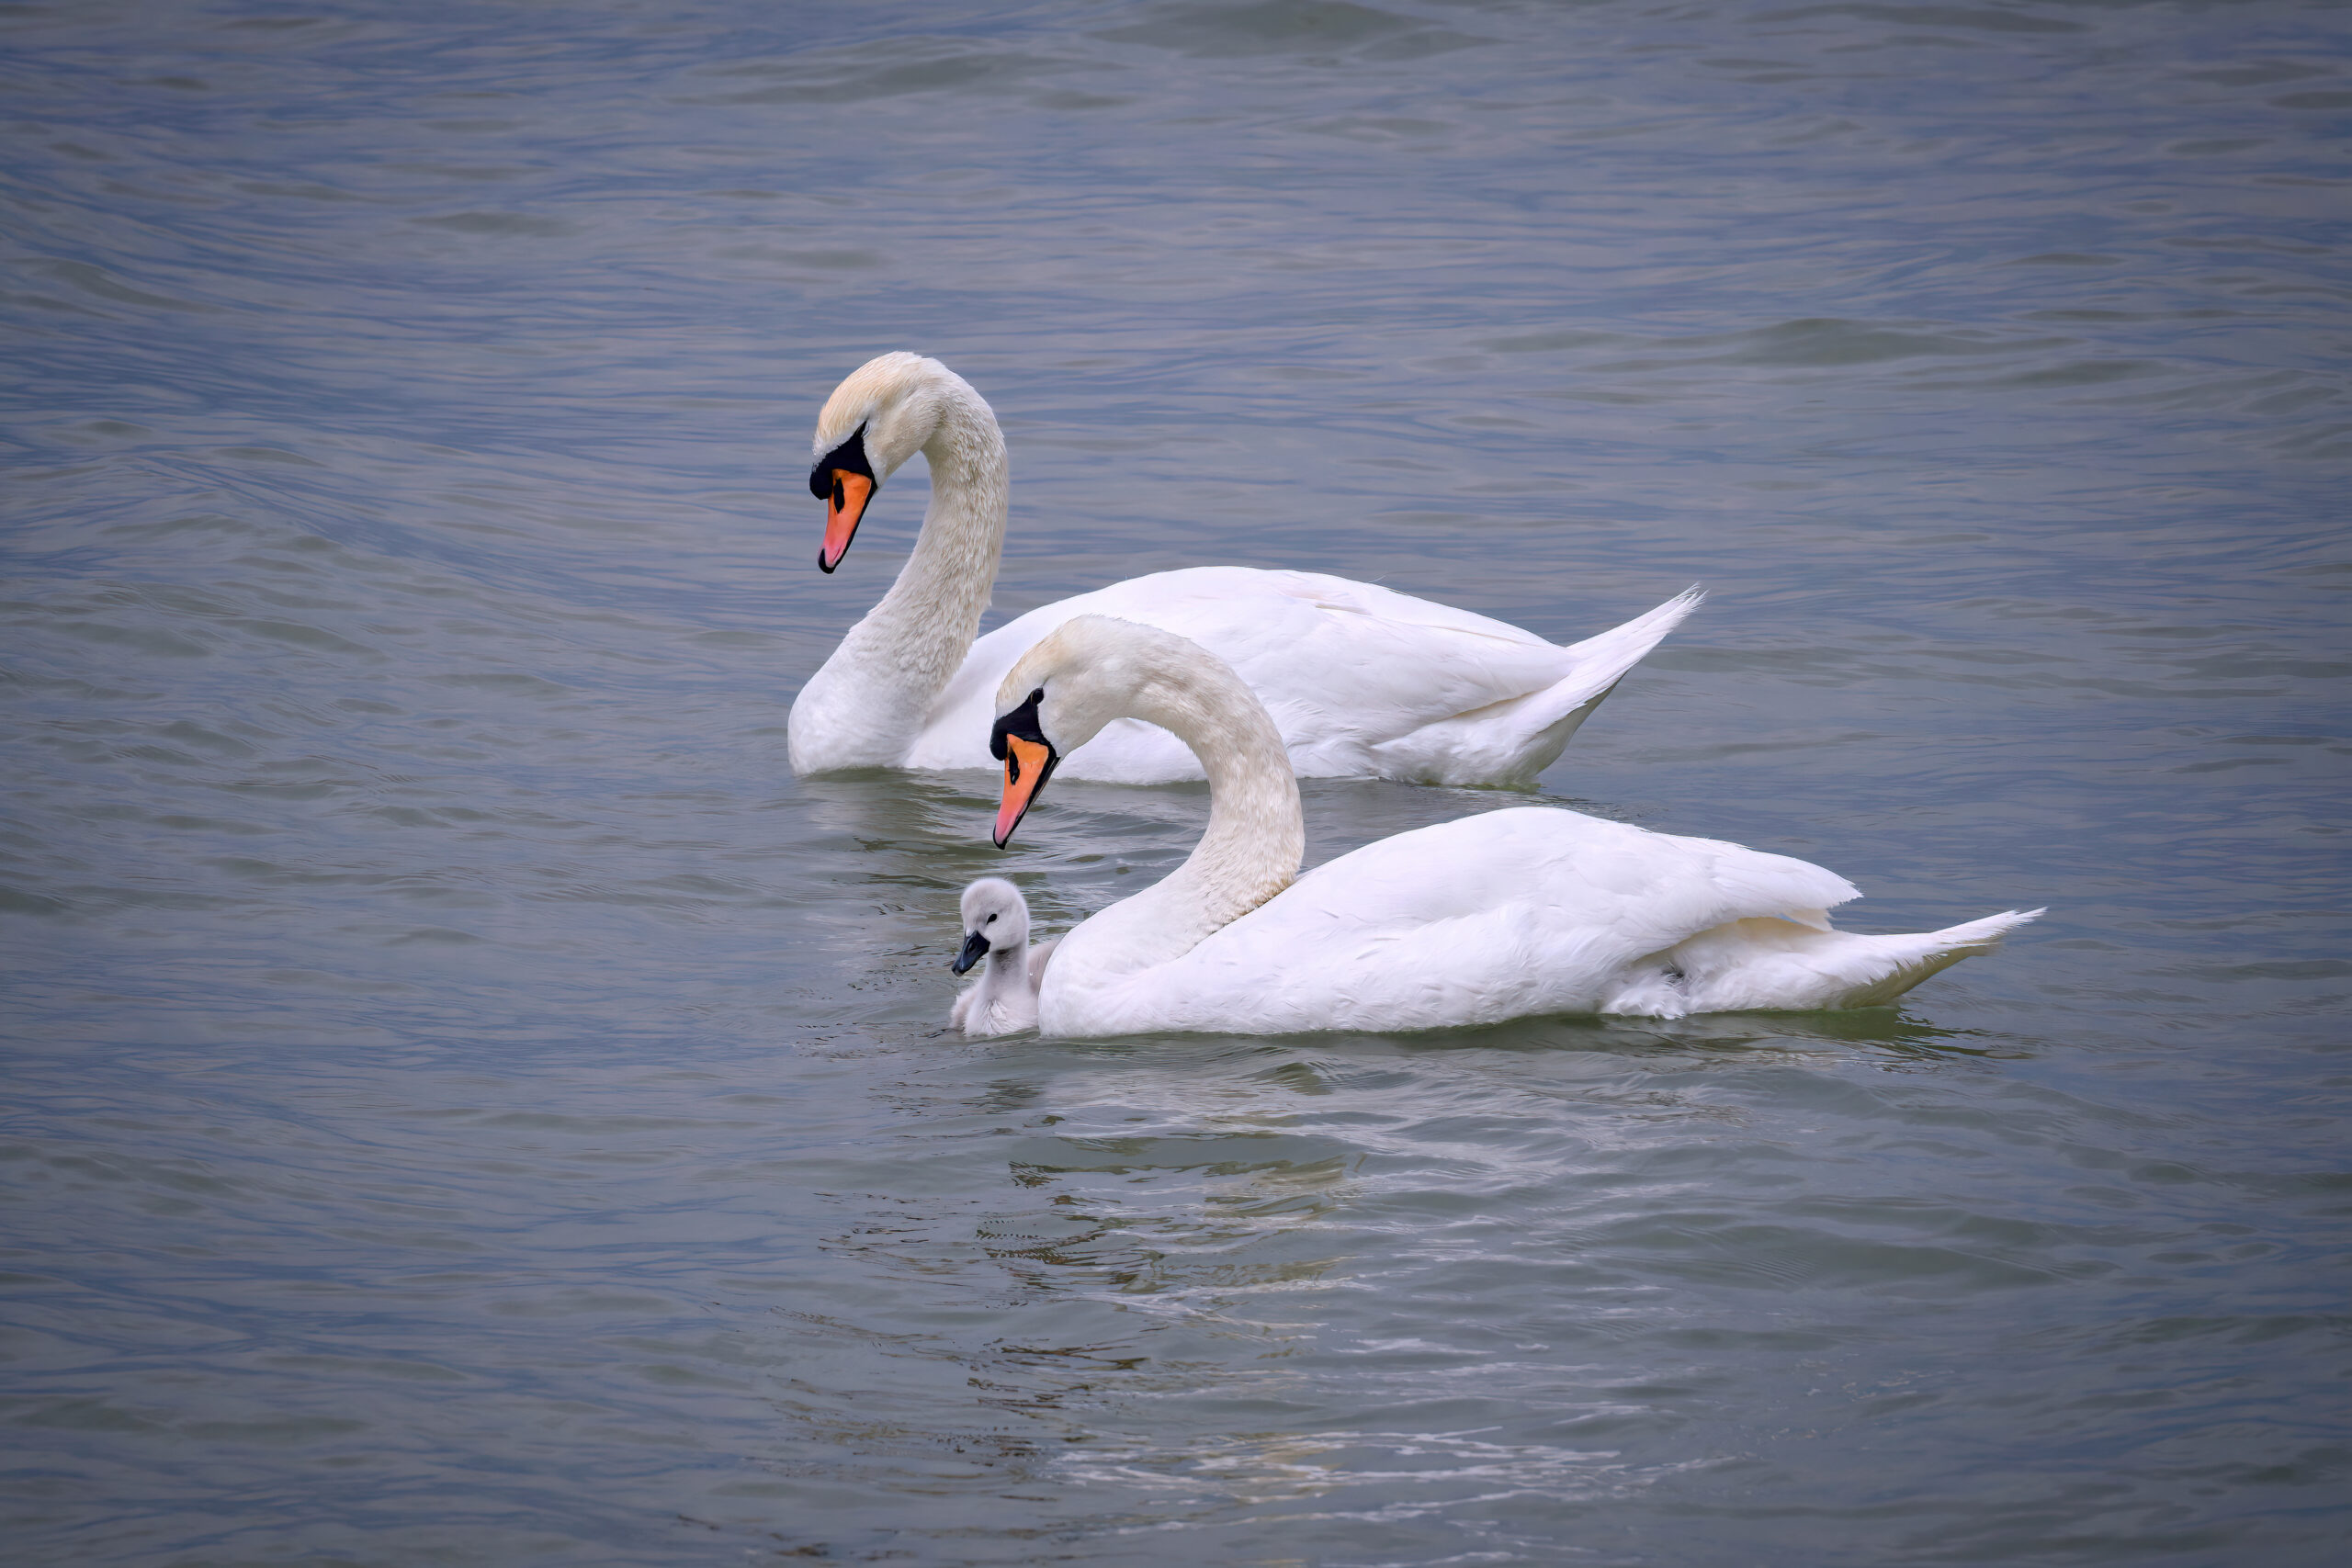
466,1103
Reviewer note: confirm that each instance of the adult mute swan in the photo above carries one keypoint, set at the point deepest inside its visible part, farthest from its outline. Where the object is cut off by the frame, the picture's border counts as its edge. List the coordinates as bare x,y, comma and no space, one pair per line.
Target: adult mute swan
1363,682
996,936
1525,912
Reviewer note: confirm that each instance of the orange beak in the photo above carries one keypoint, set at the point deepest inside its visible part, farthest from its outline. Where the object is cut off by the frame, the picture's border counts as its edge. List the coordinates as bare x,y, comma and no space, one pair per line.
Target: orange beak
1026,764
843,508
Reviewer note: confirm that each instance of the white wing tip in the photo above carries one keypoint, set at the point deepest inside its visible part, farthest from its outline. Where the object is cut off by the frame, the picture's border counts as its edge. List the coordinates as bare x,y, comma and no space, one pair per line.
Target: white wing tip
1931,953
1984,935
1675,610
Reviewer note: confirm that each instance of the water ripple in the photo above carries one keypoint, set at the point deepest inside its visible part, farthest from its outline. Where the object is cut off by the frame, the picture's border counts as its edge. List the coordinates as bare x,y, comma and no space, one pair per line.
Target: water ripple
449,1058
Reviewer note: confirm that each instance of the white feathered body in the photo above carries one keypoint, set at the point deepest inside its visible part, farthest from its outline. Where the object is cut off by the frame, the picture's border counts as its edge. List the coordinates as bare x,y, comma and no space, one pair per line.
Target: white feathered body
1003,1000
1360,680
1524,912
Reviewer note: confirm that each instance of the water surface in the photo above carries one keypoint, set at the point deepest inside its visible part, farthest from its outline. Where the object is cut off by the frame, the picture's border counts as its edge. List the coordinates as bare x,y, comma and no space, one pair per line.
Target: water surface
466,1102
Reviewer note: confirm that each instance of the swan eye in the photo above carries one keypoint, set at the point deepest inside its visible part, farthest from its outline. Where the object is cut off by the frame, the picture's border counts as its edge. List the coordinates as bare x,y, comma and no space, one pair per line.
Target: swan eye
990,922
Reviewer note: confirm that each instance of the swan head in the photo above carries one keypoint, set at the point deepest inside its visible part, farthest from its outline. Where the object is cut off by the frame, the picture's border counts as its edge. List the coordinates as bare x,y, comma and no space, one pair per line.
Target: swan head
1080,676
996,918
876,419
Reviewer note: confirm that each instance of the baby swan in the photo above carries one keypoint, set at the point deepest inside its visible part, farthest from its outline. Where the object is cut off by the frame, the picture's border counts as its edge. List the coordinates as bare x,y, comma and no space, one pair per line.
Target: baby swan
995,935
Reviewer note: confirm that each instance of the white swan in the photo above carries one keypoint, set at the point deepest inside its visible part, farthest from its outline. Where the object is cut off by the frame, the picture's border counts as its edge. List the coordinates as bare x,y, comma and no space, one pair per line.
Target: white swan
1363,682
995,935
1514,913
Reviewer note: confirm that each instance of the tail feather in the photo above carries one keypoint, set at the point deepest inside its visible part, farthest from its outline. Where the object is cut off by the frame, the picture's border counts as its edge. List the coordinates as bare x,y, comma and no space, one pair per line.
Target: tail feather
1619,648
1910,959
1544,722
1768,965
1510,741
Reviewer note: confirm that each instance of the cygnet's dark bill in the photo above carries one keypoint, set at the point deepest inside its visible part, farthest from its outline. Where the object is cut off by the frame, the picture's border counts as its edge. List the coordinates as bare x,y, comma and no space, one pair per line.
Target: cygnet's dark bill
975,947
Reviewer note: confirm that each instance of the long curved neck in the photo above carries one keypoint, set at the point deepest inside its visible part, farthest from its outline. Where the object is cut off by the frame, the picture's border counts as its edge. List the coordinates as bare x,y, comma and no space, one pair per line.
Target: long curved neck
1007,960
1257,831
907,646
